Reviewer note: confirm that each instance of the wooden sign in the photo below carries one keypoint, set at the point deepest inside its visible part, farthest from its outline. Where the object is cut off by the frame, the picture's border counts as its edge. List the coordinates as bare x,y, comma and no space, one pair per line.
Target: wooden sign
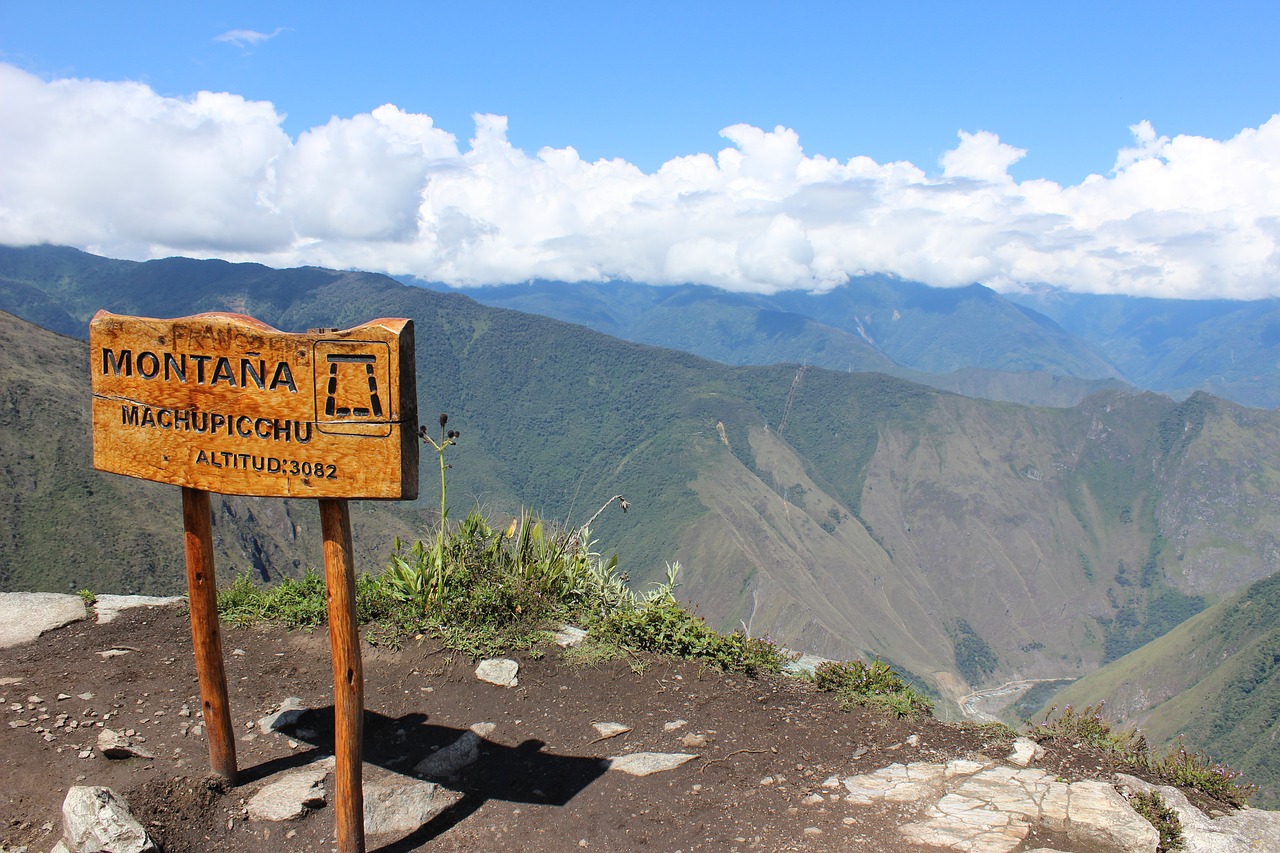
225,403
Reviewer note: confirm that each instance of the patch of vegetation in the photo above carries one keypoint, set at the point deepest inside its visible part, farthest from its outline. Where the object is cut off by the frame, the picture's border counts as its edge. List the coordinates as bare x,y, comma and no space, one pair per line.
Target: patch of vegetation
1184,423
1165,820
1034,699
1165,608
1086,566
975,659
912,680
484,590
1190,769
662,626
875,685
1178,767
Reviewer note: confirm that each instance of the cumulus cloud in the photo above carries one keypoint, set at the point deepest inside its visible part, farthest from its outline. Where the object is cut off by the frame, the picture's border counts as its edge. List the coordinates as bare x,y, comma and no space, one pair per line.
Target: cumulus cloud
118,169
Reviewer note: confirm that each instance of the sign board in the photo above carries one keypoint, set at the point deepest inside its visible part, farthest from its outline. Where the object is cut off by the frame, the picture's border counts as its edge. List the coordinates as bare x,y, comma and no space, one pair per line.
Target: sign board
225,403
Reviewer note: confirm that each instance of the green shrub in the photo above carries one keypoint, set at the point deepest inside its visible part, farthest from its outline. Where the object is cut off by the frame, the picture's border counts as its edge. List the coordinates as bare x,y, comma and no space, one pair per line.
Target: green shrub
1178,767
1165,820
1089,728
875,685
297,603
1196,770
664,627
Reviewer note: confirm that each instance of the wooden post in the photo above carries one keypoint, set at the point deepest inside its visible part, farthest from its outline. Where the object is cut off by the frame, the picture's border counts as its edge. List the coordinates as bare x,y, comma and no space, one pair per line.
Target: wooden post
205,635
348,674
224,403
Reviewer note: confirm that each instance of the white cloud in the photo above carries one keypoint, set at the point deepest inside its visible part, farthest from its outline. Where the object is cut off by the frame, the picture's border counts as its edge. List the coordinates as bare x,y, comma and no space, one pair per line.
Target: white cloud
246,39
116,168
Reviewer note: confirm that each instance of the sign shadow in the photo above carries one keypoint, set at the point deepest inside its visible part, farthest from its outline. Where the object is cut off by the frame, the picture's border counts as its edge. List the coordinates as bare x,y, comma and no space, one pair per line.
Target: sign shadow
521,774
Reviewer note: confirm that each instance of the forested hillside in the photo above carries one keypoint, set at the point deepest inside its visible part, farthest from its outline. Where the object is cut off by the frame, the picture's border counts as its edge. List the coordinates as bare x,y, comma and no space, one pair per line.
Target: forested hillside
842,513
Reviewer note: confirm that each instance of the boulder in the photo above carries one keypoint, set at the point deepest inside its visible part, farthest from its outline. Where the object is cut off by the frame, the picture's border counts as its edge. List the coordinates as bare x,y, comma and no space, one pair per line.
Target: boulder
291,796
96,820
499,671
26,615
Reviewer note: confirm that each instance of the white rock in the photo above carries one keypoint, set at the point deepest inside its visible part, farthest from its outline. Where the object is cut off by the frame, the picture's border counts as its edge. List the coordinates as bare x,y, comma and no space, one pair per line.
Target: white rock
112,744
648,763
1098,814
569,636
96,819
291,796
108,607
1025,751
674,724
290,711
447,761
401,808
499,671
1245,829
608,730
26,615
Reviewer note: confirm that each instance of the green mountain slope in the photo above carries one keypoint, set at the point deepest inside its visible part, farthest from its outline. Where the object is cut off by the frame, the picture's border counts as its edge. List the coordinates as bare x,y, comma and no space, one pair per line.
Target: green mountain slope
1214,679
969,340
67,527
1225,347
968,541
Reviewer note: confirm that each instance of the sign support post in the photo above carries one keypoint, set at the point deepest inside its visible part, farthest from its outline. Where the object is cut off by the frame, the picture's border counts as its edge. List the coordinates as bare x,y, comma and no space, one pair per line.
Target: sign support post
225,403
348,673
206,637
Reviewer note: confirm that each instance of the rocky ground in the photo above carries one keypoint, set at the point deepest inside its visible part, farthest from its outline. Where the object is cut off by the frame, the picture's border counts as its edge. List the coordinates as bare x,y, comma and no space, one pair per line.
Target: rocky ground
773,765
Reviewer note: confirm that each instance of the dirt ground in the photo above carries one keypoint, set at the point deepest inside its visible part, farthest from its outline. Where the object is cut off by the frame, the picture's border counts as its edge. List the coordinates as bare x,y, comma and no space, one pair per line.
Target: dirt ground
540,783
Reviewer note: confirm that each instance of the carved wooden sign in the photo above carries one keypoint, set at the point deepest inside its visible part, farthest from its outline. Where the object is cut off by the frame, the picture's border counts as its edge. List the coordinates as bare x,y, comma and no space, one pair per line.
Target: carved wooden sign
225,403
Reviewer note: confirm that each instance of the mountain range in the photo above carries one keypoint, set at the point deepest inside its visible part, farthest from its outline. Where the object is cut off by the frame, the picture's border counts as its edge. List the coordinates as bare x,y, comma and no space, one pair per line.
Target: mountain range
1037,346
844,512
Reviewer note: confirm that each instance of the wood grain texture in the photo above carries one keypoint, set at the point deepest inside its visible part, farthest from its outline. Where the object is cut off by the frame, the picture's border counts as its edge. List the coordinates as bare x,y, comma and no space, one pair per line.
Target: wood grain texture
348,675
225,403
206,635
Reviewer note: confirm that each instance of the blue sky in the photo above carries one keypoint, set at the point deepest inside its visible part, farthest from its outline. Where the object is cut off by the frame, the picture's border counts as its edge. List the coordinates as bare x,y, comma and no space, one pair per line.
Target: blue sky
1044,91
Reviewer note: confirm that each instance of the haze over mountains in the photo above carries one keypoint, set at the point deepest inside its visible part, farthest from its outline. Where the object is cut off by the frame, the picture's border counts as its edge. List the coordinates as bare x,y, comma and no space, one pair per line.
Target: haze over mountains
968,541
1039,346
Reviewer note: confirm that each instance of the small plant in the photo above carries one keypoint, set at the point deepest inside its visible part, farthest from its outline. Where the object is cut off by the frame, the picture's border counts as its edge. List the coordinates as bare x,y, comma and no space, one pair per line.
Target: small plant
1196,770
662,626
875,685
88,597
1090,728
1165,820
448,438
1177,767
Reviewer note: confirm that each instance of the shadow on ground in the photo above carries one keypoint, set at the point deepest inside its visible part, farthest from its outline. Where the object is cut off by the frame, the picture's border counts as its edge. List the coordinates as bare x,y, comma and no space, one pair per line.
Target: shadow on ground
521,774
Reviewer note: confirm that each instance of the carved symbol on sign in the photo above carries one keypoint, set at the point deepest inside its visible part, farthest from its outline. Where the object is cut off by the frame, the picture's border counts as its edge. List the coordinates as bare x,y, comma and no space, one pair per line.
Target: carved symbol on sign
331,407
351,381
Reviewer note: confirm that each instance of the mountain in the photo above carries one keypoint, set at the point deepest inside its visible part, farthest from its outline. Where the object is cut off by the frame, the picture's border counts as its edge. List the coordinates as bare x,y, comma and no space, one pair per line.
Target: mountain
1228,348
69,527
967,340
968,541
1214,679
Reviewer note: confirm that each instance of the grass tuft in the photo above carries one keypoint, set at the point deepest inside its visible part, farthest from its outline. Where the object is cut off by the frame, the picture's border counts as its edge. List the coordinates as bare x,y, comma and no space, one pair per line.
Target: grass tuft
1165,820
873,685
1178,767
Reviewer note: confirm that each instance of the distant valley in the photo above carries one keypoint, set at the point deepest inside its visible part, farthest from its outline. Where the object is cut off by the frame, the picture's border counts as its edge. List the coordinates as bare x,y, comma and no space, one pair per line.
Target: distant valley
840,511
